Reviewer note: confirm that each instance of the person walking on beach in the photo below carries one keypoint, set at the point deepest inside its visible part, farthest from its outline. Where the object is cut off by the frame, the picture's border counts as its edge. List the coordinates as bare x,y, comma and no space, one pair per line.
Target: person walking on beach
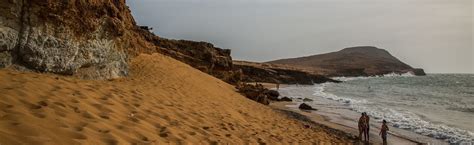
367,127
362,126
383,132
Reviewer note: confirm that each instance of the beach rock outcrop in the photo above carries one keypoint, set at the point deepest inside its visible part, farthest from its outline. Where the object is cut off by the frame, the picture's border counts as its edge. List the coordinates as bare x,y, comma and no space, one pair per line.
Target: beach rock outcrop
272,94
304,106
258,93
271,73
353,61
307,100
285,99
418,72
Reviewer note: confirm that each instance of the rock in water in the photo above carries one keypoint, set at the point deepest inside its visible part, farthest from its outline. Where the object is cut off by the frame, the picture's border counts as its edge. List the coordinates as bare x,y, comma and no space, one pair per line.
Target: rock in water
419,72
305,106
286,99
307,100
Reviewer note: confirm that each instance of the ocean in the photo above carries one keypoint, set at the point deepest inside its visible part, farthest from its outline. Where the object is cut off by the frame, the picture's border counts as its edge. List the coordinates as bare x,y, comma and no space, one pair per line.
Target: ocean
440,106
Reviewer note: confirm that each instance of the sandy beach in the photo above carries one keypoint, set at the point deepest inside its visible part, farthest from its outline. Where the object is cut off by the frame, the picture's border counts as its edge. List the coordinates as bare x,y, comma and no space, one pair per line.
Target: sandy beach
163,102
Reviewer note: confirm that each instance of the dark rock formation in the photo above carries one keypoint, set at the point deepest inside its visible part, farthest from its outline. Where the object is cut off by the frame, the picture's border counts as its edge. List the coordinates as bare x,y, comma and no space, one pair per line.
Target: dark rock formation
307,100
260,94
304,106
419,72
354,61
285,99
262,72
272,94
257,92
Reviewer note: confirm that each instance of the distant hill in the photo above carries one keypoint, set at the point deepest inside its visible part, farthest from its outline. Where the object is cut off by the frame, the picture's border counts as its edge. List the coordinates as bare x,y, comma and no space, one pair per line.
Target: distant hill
353,61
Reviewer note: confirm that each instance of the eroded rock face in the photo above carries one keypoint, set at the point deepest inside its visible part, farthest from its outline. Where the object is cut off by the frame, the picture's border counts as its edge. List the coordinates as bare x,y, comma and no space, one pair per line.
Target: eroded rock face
71,37
201,55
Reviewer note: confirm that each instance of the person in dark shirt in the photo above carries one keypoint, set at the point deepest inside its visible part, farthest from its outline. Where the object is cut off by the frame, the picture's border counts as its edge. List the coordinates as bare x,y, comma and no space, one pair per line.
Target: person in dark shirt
362,126
367,127
383,132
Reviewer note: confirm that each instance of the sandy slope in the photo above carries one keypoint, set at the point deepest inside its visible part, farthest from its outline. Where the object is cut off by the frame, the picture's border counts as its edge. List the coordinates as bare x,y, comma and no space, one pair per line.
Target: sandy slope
163,101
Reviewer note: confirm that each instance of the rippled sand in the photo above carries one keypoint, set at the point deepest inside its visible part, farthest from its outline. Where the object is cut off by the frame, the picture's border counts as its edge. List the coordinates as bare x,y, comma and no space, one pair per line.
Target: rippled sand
163,101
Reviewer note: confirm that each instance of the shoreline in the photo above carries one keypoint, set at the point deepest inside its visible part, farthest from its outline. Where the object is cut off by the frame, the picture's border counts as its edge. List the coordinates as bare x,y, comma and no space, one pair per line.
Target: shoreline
346,121
337,125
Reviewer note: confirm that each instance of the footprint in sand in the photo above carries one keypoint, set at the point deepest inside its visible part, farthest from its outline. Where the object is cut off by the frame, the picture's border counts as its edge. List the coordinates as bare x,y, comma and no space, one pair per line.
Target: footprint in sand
75,135
110,141
87,115
161,130
104,115
80,126
74,101
79,94
100,107
55,88
59,109
59,104
104,98
36,109
29,105
136,105
137,97
76,109
105,131
134,119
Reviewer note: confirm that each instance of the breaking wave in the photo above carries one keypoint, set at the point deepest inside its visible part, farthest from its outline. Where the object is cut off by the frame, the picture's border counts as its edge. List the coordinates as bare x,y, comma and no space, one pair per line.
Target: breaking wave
408,74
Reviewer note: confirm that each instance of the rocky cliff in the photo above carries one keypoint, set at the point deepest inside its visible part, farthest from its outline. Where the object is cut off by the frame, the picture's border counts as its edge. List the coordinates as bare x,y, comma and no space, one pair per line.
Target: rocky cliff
354,61
201,55
90,39
271,73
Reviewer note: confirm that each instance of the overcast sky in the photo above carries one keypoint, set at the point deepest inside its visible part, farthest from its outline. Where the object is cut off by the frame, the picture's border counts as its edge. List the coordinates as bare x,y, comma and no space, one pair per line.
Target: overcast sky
436,35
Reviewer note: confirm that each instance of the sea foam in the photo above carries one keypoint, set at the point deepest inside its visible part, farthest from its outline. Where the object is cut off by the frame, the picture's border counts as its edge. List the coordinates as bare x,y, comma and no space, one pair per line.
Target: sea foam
408,74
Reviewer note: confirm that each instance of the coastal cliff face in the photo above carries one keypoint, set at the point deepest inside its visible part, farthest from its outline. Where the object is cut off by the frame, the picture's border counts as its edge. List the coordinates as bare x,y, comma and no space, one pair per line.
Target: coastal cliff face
271,73
354,61
200,55
92,39
88,38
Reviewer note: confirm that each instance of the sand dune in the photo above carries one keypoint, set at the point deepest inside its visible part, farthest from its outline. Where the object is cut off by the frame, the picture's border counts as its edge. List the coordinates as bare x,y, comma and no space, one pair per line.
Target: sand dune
163,101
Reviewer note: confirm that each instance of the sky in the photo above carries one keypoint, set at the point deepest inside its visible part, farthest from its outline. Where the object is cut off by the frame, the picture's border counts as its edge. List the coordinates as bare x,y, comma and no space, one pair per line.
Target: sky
436,35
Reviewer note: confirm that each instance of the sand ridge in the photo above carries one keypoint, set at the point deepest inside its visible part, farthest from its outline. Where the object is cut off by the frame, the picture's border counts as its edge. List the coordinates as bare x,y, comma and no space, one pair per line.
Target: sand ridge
163,101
